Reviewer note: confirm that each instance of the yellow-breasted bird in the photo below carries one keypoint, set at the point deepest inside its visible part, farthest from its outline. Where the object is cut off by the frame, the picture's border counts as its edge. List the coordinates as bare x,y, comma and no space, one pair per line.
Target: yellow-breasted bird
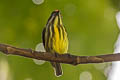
55,38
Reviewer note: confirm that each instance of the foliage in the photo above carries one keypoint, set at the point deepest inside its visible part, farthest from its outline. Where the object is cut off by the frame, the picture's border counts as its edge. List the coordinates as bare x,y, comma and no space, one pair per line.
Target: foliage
90,24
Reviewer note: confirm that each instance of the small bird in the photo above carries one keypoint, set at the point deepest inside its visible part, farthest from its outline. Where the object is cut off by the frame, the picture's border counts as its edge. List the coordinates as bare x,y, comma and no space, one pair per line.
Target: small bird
55,39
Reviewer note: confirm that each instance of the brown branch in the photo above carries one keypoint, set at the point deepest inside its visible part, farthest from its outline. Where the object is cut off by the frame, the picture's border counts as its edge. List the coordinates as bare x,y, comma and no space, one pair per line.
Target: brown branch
65,58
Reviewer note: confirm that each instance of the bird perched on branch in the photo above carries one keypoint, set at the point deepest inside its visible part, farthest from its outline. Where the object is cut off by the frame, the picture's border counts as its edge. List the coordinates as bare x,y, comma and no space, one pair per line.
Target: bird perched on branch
55,39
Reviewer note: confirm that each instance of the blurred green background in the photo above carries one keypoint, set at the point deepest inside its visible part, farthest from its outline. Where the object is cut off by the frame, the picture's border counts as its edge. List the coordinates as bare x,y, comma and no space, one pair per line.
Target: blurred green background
91,27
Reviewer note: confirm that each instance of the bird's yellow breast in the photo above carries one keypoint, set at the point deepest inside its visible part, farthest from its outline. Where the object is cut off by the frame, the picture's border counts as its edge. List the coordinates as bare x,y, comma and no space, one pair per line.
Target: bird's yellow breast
60,42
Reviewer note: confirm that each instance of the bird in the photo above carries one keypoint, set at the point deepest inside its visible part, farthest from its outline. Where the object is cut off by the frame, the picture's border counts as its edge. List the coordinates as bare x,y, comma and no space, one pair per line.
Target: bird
55,39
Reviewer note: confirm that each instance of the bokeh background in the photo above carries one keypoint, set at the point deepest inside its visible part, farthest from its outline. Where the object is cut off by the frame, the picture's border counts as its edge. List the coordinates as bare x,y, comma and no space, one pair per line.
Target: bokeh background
91,27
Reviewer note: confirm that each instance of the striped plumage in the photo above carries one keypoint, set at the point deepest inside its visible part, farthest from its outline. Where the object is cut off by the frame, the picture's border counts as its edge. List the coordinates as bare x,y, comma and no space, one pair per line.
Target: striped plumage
55,38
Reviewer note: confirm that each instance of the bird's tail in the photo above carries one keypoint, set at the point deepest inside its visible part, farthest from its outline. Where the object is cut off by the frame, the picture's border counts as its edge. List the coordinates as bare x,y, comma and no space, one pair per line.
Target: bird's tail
57,68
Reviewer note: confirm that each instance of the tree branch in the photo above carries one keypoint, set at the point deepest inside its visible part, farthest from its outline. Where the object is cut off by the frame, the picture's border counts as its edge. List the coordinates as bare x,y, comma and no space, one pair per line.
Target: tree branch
64,58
